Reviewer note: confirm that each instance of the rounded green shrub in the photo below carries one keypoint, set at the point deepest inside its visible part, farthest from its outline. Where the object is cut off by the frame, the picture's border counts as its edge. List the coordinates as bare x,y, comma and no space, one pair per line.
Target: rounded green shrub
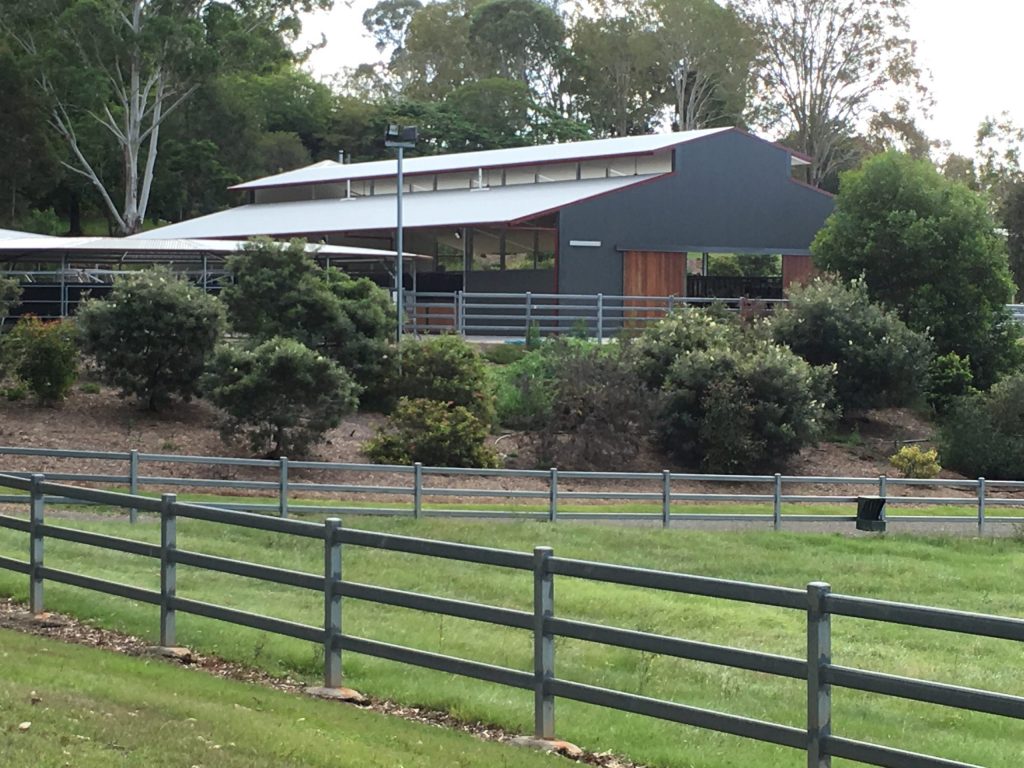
742,408
949,378
152,335
446,369
879,361
45,356
432,432
683,331
983,434
280,397
911,461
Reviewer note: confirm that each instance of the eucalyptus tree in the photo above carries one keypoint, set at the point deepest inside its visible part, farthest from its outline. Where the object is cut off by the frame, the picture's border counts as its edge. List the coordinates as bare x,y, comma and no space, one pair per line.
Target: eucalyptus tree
117,69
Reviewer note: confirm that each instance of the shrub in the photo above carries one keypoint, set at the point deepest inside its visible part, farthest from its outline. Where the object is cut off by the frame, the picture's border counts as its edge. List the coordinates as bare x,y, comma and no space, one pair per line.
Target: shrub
279,290
10,292
688,330
447,369
983,434
742,408
434,433
598,414
504,354
911,461
949,378
44,356
280,396
152,335
879,361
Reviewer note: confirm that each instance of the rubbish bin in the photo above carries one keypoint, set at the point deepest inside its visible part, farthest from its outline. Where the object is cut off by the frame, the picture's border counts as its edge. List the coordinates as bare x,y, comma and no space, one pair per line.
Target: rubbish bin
870,513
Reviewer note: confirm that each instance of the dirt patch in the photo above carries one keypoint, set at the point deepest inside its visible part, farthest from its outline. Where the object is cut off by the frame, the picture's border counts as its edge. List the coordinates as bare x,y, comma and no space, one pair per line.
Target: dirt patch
105,422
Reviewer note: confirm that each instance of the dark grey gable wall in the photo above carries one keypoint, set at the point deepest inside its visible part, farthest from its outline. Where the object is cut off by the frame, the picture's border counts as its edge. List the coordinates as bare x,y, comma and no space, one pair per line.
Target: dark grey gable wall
730,192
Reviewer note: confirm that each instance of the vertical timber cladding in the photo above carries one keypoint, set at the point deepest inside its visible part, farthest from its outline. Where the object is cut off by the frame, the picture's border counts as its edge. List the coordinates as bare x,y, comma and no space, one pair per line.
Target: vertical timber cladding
652,273
797,270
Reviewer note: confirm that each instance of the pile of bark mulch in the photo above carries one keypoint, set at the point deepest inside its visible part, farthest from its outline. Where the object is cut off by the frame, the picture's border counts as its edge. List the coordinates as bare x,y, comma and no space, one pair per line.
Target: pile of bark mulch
16,616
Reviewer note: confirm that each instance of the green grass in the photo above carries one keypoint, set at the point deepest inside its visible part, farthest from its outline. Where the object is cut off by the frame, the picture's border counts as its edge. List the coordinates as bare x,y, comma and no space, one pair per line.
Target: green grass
99,709
979,575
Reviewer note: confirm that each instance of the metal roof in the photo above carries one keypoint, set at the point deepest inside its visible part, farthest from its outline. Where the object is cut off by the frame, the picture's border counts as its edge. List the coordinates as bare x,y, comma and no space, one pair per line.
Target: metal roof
162,246
419,209
327,171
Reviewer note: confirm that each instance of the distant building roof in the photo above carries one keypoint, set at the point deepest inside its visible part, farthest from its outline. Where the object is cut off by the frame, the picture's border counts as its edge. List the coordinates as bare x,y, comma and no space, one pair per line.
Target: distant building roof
495,205
329,171
13,234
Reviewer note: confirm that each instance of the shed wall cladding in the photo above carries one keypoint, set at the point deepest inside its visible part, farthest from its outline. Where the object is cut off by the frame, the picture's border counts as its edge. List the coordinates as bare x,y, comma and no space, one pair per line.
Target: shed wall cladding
729,191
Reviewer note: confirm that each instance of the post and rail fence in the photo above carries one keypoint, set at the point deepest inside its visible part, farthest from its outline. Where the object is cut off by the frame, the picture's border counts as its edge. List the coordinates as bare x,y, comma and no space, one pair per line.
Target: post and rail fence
671,496
817,737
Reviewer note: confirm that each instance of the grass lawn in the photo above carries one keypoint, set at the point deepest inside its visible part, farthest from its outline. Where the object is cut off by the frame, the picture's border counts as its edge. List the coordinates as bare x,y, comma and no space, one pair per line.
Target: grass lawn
101,709
978,575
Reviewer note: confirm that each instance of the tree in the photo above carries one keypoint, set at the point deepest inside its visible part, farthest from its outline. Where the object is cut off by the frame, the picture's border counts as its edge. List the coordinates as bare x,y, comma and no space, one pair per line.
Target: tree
278,290
114,71
152,335
708,51
824,65
280,395
928,249
388,22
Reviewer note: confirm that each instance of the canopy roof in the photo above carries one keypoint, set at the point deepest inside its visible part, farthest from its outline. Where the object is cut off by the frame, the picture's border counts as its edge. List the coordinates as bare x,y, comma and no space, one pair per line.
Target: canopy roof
495,205
13,234
328,170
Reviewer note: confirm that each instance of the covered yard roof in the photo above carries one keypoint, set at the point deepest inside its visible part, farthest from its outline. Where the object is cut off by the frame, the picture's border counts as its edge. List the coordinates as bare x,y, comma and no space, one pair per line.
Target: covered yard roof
495,205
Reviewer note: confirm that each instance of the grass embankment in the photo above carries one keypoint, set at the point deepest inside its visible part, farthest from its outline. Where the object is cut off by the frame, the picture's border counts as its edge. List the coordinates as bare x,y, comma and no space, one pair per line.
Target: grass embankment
980,575
101,709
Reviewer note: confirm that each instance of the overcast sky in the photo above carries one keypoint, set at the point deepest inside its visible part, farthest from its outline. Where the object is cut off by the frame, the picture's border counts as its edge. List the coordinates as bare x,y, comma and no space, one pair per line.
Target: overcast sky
970,49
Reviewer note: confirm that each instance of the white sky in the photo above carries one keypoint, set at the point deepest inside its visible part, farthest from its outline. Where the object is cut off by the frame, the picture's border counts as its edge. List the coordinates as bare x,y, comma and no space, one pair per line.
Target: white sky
971,49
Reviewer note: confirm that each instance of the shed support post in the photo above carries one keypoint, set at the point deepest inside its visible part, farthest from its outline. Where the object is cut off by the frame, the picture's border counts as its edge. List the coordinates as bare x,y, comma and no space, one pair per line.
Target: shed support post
36,514
600,318
543,645
168,570
819,693
528,314
332,603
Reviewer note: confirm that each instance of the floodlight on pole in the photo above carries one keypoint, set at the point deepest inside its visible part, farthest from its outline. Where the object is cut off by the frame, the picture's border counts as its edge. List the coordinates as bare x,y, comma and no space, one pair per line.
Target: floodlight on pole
401,138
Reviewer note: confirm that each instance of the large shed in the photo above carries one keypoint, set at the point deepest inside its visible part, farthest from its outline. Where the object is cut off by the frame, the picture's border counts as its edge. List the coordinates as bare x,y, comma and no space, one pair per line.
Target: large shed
612,216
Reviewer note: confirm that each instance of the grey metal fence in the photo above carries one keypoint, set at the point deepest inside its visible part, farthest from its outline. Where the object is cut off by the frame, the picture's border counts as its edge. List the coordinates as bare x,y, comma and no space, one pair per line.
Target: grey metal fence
667,497
598,316
817,602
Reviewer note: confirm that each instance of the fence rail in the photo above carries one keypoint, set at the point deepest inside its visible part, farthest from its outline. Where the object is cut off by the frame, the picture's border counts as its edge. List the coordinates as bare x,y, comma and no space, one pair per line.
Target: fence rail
817,602
415,486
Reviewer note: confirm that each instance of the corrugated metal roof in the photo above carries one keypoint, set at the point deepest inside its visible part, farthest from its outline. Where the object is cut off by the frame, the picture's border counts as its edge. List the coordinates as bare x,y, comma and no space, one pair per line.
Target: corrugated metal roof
419,209
328,171
148,246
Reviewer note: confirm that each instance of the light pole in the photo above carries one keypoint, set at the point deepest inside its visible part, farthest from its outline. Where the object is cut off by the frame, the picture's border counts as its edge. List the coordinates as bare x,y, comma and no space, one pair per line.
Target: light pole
401,138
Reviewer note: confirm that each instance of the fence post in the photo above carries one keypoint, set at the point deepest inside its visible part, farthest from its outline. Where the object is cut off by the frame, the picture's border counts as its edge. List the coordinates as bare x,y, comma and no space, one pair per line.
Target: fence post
332,603
36,513
417,489
543,645
819,693
529,314
777,503
133,482
600,318
460,314
168,570
883,490
553,496
666,498
282,486
981,506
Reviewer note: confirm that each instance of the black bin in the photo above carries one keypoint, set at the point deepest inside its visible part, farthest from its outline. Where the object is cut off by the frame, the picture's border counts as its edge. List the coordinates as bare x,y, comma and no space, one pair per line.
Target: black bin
870,513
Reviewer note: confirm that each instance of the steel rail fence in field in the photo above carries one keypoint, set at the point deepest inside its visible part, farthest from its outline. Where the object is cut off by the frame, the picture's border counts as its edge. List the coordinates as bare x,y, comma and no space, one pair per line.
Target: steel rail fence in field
412,484
819,604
